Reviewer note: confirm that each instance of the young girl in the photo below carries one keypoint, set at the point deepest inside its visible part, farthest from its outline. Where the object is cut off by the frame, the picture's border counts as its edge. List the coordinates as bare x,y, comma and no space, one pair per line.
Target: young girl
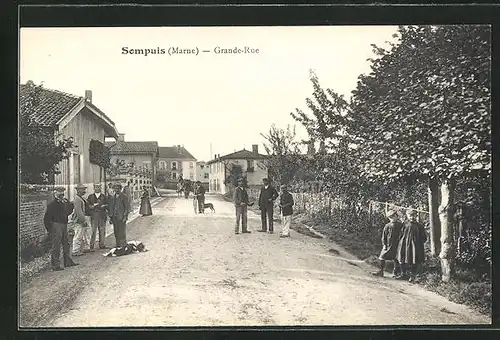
411,253
390,240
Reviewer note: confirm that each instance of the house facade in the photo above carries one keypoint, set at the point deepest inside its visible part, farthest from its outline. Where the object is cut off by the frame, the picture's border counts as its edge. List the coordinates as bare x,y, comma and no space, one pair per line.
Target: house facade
77,117
203,174
173,163
250,163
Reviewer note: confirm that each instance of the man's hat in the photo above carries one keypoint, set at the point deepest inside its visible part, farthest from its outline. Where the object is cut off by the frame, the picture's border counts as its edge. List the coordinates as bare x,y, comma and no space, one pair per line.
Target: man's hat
391,213
97,184
81,186
59,189
117,185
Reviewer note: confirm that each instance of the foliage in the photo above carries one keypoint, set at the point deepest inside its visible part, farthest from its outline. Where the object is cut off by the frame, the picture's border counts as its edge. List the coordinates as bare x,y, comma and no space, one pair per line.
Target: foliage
119,166
425,107
284,154
40,147
99,154
233,174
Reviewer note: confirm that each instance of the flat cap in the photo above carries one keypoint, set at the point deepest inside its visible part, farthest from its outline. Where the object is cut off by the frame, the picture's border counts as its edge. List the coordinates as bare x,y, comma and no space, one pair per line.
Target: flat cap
59,189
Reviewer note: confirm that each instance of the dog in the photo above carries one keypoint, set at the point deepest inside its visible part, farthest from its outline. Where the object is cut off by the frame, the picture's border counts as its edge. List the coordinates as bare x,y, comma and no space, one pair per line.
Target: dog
208,206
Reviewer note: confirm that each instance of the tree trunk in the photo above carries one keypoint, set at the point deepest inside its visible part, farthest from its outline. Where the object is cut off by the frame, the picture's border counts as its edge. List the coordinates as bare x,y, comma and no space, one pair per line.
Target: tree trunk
434,225
446,218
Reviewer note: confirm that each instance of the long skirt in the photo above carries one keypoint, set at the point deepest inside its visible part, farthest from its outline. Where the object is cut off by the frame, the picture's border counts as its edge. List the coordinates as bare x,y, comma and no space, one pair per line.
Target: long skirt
145,209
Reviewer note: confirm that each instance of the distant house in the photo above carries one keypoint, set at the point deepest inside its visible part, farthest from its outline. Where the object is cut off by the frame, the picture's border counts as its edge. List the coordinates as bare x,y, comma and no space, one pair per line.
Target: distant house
142,154
77,117
175,162
203,174
250,163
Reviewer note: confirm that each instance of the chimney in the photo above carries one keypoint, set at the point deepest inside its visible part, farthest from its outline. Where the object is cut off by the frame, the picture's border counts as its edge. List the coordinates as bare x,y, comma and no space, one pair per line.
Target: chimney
255,148
179,149
121,137
88,95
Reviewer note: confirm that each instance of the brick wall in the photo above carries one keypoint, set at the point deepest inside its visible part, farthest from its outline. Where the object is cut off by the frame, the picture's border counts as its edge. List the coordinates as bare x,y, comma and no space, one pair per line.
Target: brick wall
31,212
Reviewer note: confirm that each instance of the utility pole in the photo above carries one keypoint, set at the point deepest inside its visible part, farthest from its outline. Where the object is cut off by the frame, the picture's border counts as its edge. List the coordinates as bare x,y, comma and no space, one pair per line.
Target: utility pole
210,151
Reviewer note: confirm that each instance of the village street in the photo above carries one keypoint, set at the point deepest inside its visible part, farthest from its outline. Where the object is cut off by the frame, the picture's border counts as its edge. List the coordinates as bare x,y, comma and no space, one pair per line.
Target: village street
197,272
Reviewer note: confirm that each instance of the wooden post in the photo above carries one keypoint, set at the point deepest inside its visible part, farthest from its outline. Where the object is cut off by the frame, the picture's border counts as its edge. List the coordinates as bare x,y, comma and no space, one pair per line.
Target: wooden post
434,222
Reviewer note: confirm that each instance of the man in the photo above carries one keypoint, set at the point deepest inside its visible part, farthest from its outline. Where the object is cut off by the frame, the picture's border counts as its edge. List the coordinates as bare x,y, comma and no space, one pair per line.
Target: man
118,212
128,192
79,220
97,204
266,203
56,223
286,205
200,196
241,202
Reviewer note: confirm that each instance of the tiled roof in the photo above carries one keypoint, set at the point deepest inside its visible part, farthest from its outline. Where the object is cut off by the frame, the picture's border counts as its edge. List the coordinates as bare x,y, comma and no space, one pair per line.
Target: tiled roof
242,154
172,152
53,105
119,147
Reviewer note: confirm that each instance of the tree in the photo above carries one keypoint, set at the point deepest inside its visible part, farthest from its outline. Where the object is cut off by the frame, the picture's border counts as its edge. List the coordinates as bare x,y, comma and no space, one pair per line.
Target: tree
284,154
424,113
41,149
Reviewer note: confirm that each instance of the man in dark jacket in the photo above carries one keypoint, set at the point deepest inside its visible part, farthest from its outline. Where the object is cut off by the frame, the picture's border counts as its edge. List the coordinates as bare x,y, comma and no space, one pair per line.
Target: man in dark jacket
199,192
97,203
118,212
56,223
268,195
241,202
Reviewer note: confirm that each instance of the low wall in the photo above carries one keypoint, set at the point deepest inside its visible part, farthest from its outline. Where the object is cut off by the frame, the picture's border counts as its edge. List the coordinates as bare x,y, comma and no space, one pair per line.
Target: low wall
31,212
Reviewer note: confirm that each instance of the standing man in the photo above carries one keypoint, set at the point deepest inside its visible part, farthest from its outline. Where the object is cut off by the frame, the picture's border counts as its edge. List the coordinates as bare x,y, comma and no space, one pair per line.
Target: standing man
241,202
128,192
56,223
97,205
286,205
200,196
266,203
79,219
118,212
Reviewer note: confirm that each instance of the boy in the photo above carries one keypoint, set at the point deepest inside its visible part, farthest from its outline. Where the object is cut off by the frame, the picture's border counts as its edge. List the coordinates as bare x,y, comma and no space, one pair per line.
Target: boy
390,241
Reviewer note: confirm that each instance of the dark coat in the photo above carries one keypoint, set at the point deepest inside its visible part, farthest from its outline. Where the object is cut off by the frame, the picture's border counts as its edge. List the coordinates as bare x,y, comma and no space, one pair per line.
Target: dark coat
57,212
390,240
200,191
411,244
119,206
102,200
240,196
266,195
286,204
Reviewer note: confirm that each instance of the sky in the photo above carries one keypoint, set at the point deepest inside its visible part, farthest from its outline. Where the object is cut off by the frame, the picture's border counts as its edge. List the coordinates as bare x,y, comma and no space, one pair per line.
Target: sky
210,103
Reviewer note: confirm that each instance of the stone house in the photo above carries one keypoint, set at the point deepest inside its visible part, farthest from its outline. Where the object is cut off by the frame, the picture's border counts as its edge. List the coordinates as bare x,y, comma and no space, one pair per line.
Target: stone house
175,162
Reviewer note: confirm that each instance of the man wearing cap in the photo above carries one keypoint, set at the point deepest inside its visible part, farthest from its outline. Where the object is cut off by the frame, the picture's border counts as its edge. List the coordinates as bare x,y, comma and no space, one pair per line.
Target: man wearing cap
118,212
241,202
390,240
81,241
286,205
56,223
199,192
266,205
97,204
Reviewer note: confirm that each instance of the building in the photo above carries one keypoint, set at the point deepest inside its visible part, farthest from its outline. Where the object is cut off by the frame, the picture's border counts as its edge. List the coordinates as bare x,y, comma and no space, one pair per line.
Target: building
250,163
175,162
203,174
77,117
141,154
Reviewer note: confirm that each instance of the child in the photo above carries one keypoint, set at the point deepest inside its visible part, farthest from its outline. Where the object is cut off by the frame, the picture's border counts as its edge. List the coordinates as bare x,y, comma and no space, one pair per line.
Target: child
390,240
410,253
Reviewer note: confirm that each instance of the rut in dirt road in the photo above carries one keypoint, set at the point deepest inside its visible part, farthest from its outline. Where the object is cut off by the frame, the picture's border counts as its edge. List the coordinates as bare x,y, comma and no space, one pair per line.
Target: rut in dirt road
197,272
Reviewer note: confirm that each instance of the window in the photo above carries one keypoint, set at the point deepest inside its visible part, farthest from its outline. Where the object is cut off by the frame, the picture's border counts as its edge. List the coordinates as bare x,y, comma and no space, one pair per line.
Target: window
174,175
163,165
250,167
205,175
174,166
191,165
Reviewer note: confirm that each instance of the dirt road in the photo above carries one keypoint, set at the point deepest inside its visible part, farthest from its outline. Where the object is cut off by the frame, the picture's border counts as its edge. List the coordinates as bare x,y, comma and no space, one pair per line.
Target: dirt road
199,273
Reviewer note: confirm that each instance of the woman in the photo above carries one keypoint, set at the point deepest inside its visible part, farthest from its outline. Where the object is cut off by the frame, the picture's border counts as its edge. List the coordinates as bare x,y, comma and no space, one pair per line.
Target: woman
145,209
411,253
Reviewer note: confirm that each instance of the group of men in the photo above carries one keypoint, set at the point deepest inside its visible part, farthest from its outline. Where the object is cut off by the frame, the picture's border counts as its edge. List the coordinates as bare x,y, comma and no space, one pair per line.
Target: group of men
267,198
96,207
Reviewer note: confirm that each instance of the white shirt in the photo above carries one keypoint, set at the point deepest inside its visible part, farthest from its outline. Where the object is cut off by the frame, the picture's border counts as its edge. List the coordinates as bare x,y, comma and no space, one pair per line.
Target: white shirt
97,194
267,186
